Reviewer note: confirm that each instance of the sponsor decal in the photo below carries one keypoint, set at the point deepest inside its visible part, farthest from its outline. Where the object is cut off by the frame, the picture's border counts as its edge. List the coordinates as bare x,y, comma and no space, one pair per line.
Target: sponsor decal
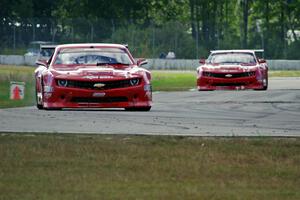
99,94
147,88
98,77
48,89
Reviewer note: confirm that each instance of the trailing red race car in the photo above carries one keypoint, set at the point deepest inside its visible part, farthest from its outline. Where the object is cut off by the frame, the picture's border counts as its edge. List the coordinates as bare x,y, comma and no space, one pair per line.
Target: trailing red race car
232,70
93,76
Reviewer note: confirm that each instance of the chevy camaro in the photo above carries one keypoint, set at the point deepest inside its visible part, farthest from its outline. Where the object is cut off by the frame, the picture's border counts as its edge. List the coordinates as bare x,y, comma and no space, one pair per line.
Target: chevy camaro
232,70
93,76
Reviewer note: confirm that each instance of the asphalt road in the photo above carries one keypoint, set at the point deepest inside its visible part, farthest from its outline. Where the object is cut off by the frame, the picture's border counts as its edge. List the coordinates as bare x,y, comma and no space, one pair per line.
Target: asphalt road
275,112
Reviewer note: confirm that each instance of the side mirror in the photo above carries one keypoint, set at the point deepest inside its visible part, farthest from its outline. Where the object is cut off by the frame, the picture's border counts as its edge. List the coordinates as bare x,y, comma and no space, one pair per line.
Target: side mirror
202,61
141,61
262,61
42,62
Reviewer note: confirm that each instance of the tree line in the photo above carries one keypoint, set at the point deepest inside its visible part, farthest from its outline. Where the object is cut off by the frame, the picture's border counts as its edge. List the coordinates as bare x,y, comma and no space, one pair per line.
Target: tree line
190,28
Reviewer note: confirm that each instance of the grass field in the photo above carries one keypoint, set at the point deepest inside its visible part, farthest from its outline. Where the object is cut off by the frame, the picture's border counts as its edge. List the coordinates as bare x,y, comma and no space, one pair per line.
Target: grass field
143,167
161,81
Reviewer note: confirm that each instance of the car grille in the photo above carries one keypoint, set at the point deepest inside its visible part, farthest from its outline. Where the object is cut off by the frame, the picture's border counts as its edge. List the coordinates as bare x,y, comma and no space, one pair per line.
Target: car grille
99,99
228,75
102,85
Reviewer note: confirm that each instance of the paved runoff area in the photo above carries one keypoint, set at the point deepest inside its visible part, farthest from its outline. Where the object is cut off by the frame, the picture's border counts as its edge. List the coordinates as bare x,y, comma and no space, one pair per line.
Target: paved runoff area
275,112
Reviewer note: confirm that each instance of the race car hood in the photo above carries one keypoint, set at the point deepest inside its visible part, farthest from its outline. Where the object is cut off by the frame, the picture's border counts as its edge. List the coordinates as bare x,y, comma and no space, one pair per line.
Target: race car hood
228,68
95,73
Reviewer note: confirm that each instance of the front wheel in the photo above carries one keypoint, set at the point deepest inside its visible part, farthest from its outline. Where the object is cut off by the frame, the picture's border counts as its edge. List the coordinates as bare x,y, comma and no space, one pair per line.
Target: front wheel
39,103
265,87
40,107
147,108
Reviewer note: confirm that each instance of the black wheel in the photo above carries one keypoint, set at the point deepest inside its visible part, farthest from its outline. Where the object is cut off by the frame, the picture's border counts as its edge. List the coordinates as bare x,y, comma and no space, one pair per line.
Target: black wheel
39,106
265,87
147,108
52,109
205,90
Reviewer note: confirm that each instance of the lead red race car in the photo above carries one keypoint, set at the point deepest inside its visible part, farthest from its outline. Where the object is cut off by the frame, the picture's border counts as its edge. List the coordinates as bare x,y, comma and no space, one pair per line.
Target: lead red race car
93,76
232,70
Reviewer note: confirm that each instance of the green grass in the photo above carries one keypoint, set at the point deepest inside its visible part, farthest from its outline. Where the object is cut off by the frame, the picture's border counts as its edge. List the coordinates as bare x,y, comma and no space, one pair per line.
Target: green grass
286,73
142,167
173,80
161,81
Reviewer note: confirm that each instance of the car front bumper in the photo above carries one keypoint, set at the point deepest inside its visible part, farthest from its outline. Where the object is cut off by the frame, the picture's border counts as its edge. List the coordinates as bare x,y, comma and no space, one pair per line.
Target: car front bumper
211,83
64,97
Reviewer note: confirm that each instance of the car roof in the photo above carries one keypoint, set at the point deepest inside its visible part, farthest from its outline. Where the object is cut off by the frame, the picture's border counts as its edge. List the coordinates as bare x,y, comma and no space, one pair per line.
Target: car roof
92,44
237,51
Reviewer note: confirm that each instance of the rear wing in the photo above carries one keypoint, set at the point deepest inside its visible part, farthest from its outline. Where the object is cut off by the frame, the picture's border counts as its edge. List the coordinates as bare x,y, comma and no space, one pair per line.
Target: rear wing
256,51
52,46
260,51
46,52
239,50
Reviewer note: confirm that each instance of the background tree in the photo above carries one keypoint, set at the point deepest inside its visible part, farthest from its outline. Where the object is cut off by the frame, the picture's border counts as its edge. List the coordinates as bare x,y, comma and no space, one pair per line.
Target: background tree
191,28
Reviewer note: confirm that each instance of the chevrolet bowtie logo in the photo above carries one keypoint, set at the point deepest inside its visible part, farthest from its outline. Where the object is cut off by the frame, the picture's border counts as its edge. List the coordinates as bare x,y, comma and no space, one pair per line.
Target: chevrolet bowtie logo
99,85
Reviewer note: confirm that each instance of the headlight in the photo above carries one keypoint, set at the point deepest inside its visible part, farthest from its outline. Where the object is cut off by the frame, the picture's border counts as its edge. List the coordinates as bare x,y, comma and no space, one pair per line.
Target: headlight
134,81
62,83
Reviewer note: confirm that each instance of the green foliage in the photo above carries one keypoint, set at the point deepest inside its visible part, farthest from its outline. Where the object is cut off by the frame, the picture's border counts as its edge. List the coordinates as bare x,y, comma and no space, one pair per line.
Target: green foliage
190,28
153,40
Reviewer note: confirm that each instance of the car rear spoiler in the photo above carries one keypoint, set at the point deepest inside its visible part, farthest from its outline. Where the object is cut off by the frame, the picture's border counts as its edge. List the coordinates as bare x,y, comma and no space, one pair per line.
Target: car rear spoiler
259,50
255,50
50,46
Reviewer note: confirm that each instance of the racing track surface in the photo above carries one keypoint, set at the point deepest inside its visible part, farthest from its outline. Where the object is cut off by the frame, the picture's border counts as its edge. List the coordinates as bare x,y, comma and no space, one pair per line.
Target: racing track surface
275,112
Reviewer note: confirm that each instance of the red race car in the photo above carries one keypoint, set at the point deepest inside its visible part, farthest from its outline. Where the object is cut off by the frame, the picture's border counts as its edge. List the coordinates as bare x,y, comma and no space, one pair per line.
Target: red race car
232,70
93,76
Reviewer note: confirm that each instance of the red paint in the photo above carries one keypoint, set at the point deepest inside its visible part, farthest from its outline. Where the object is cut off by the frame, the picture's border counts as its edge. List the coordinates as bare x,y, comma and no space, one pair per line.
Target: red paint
82,92
16,93
218,76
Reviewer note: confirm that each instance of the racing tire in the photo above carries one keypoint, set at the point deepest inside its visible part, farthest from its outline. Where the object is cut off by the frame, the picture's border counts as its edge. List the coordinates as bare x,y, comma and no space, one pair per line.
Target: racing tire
52,109
201,90
39,106
145,109
264,87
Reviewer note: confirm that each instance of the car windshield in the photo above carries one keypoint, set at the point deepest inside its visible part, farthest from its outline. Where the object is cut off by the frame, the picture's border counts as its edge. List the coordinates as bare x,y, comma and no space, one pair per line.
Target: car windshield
231,58
92,56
